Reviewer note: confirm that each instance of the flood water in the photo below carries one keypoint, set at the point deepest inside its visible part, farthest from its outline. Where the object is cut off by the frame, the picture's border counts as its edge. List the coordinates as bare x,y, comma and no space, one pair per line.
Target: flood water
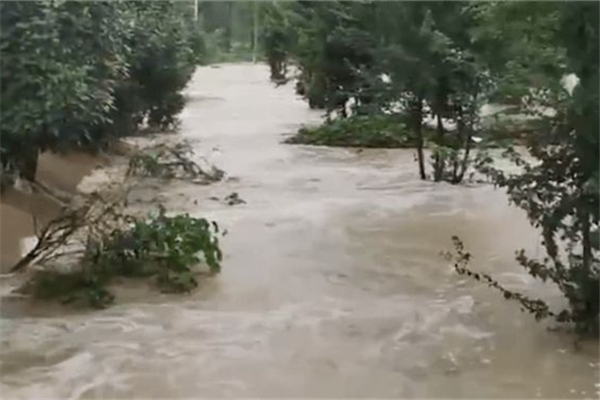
332,283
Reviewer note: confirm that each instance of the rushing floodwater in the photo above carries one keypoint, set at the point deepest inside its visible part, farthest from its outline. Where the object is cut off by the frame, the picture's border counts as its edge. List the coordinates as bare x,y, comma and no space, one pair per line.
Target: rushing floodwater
332,285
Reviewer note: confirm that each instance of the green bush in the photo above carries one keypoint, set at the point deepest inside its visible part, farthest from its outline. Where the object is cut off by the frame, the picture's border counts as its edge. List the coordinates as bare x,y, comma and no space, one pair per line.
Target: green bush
358,131
160,246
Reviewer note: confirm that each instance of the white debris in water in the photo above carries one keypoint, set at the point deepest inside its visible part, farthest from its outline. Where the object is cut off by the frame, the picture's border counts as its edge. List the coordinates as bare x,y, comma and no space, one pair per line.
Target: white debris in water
22,186
396,107
431,122
476,139
385,78
27,244
488,110
569,82
349,106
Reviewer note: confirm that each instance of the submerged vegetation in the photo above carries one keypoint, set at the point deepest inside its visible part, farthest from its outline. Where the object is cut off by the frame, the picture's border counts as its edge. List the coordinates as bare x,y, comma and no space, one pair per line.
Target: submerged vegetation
172,162
166,248
357,131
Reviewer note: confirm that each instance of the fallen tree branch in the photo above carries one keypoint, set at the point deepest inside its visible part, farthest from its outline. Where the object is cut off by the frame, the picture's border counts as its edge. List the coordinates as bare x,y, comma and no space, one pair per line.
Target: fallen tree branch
172,162
96,214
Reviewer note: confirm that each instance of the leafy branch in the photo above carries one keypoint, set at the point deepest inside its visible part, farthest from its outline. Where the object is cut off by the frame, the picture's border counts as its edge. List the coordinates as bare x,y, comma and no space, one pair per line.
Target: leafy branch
172,162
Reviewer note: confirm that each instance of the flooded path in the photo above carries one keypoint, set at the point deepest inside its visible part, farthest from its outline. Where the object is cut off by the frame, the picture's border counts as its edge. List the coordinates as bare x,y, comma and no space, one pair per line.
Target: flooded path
332,284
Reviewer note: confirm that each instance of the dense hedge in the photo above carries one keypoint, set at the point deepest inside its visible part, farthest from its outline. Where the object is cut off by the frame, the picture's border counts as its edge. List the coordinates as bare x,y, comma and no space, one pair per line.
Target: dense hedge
76,74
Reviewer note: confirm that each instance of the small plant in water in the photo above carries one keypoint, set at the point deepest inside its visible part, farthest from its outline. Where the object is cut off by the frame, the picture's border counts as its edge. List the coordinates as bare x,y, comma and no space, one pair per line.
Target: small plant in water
172,162
167,248
376,131
160,245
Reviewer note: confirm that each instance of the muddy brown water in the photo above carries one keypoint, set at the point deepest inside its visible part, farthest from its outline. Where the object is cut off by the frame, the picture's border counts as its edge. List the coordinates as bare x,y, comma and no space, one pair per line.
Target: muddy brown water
332,284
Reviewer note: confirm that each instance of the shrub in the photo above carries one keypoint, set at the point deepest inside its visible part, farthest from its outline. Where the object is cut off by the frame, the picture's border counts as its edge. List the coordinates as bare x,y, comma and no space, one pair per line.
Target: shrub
358,131
160,246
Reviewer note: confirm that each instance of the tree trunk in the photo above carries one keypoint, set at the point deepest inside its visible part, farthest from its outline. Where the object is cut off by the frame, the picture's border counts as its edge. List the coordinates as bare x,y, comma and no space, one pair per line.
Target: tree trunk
417,111
228,26
208,17
343,112
28,163
465,161
587,242
254,31
438,160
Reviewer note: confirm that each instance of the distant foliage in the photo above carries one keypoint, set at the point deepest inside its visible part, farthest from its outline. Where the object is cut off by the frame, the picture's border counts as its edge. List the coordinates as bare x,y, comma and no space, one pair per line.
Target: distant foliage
230,28
278,37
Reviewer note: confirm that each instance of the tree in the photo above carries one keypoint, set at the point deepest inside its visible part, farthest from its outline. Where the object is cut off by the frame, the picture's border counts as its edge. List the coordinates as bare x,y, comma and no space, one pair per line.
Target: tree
560,191
405,31
163,50
426,51
331,47
277,38
55,90
75,74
